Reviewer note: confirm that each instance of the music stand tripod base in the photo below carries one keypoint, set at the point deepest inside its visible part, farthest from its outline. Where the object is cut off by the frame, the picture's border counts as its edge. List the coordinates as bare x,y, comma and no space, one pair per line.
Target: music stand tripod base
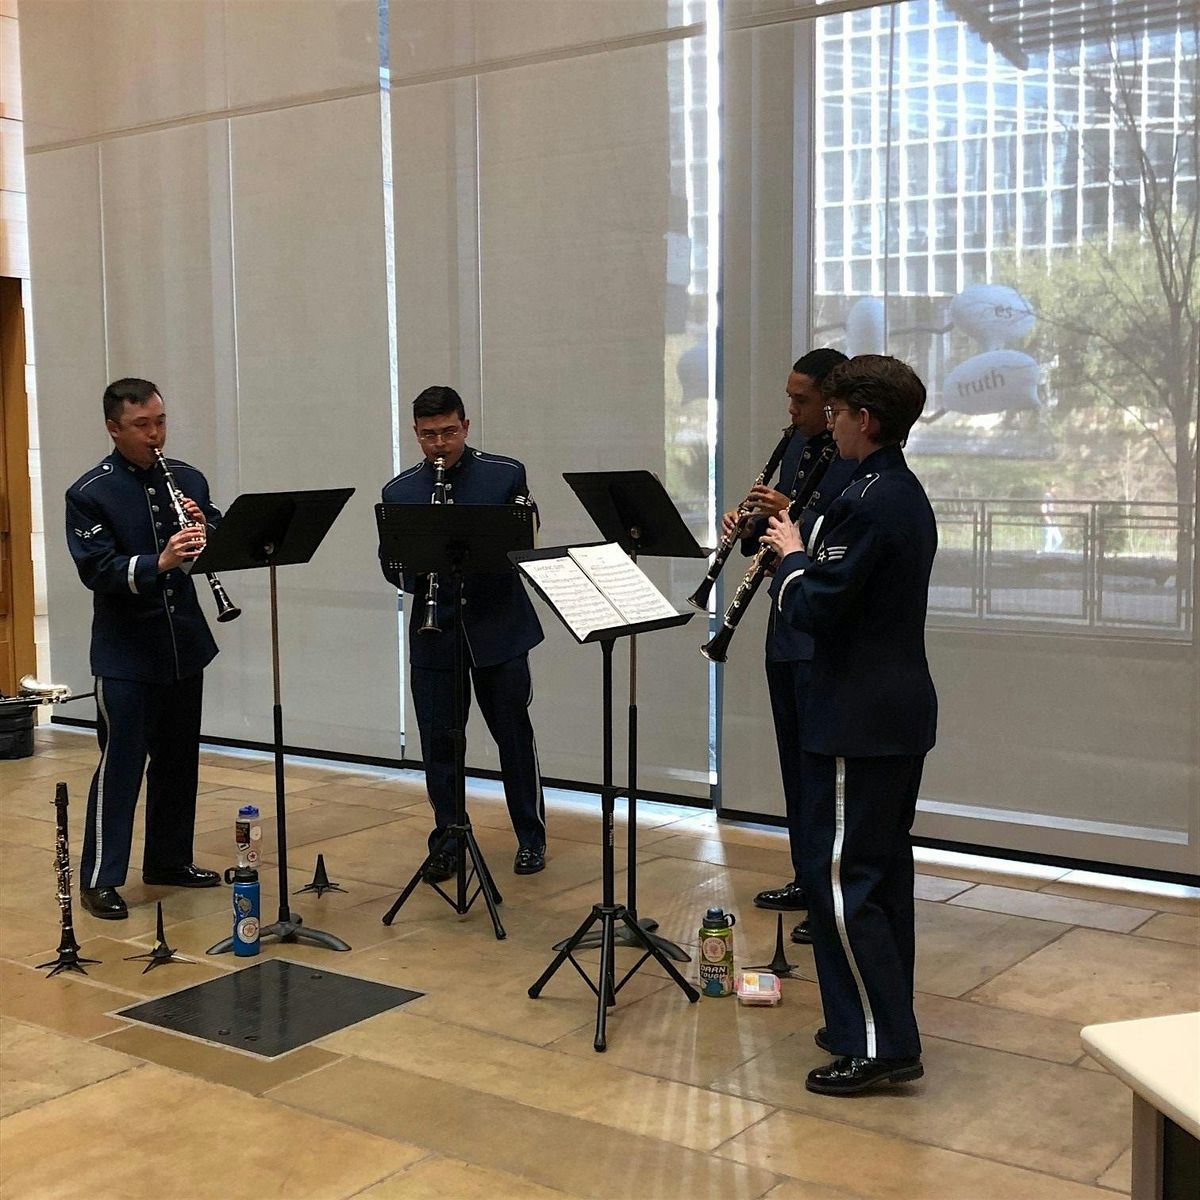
290,931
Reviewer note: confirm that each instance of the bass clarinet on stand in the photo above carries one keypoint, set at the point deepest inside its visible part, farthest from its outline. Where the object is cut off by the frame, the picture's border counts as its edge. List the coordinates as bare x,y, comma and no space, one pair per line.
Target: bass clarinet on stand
68,948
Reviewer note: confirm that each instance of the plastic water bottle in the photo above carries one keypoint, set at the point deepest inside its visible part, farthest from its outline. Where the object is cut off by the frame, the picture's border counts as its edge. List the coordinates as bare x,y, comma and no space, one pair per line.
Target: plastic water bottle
246,909
716,952
247,833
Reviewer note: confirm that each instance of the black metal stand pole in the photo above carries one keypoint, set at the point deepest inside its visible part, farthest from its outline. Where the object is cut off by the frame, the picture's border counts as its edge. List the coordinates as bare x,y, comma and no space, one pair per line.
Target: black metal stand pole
466,844
289,927
648,924
613,918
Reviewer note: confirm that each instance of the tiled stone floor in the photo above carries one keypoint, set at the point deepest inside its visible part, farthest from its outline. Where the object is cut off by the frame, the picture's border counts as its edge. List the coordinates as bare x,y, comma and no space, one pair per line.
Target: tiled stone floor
476,1092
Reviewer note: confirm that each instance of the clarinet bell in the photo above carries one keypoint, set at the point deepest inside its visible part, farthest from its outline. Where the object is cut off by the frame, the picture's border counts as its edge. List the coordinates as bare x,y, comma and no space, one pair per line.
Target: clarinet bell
699,598
718,649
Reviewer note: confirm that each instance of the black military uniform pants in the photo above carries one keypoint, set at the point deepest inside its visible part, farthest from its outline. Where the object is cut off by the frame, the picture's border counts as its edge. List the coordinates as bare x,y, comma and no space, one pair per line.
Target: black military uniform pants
787,686
504,692
858,874
134,720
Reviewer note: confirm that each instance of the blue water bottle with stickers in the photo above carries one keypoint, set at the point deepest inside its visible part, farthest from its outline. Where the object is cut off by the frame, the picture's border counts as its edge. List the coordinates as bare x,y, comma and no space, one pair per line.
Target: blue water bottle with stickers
246,909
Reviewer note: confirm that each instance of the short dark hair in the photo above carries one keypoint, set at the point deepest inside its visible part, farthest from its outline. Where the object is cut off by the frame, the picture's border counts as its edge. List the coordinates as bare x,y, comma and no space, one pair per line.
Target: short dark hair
439,401
127,391
888,388
816,364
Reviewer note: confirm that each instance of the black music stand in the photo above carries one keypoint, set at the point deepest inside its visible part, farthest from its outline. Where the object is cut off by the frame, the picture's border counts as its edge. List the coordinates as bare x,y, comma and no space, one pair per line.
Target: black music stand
455,540
633,509
275,529
617,921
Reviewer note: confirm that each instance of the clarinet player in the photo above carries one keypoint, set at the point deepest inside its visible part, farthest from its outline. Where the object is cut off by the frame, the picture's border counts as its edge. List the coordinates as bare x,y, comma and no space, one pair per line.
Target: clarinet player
150,645
500,629
789,651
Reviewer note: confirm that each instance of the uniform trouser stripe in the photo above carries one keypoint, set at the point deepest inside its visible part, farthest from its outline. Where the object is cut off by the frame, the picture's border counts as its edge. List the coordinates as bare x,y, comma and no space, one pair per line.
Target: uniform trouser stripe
839,906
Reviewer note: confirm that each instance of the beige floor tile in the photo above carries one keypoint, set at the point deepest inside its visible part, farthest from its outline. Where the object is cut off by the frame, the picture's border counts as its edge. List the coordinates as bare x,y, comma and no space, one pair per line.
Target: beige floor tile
958,948
35,798
798,1189
66,1003
37,1065
439,1178
554,1150
1172,927
33,767
115,972
254,781
1089,976
972,1100
997,1028
330,772
1066,910
28,831
480,983
888,1168
701,1042
1119,1175
247,1072
359,790
594,1088
934,887
773,861
71,1147
1136,893
951,864
23,934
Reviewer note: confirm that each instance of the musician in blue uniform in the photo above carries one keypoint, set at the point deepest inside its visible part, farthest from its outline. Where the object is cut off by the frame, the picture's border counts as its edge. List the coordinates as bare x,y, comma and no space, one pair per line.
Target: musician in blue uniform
859,585
810,459
150,645
500,628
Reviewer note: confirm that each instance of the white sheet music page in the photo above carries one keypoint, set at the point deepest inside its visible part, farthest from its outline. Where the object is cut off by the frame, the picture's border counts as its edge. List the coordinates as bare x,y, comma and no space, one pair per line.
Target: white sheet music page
623,582
573,595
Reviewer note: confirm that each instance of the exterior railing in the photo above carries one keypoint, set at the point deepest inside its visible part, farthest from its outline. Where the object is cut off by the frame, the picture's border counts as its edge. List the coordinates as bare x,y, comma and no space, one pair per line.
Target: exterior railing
1104,566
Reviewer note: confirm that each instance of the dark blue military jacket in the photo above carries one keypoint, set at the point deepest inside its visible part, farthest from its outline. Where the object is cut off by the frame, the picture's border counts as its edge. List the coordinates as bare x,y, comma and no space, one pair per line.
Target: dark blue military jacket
499,622
145,626
784,642
861,591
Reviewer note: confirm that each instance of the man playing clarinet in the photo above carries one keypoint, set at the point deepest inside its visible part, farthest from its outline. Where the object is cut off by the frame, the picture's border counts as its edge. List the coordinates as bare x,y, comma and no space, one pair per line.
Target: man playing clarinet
807,467
500,628
150,645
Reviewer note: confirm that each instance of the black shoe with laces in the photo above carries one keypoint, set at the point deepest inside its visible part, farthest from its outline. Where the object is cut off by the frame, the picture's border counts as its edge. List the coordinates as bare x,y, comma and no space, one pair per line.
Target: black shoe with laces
530,860
440,868
802,933
846,1076
789,898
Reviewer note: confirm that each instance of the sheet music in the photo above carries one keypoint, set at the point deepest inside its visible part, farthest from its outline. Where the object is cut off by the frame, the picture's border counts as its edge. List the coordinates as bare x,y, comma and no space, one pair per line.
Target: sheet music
623,583
573,594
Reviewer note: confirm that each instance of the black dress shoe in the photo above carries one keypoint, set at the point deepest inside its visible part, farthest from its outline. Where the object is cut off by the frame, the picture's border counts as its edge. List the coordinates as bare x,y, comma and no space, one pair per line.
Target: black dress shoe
104,902
802,933
821,1037
789,898
440,867
845,1076
530,860
190,876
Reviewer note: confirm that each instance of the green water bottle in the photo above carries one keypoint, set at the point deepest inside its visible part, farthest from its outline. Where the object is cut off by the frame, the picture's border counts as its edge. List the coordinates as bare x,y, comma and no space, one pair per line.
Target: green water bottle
716,953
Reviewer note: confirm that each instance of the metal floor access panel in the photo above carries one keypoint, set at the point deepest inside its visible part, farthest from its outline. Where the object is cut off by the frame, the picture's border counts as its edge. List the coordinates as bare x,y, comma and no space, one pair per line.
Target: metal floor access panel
270,1008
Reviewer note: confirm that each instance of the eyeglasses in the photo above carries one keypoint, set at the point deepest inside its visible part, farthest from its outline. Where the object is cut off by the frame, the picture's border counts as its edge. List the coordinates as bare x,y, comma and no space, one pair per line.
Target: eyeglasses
831,412
448,434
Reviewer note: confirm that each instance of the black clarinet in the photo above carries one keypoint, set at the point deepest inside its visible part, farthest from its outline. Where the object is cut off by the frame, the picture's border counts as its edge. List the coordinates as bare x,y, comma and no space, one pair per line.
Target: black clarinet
430,624
699,598
68,948
718,649
226,609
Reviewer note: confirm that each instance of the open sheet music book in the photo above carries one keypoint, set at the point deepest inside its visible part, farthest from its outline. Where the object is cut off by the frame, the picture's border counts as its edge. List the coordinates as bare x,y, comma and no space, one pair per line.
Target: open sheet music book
598,587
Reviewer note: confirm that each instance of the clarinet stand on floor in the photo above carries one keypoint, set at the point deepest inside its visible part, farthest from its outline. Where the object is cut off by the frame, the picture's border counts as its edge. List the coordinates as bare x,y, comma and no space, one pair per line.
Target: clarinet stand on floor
633,509
454,541
614,919
275,529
